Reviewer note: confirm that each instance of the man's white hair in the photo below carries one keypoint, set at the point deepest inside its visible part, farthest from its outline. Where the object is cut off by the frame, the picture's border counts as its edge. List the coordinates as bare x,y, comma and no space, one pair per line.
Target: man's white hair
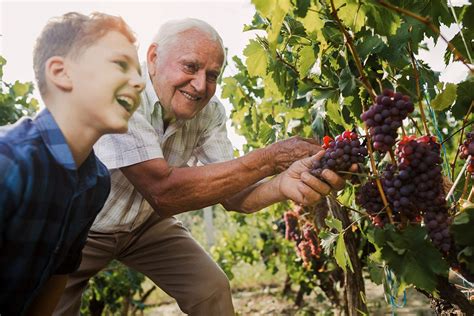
170,32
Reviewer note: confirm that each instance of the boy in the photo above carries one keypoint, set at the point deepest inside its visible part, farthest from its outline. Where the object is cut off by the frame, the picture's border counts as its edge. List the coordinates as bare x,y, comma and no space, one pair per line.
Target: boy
51,184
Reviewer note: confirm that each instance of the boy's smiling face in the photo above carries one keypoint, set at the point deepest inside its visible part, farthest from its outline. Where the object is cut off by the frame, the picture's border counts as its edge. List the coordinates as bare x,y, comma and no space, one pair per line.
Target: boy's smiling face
106,83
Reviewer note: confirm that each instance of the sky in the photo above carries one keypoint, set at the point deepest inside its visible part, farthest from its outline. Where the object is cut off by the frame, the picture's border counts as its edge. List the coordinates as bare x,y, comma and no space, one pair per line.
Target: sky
22,21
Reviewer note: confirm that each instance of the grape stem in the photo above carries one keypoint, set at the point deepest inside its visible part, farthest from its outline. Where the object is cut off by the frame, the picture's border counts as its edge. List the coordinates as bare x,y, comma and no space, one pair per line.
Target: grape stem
370,90
430,25
466,185
458,178
418,91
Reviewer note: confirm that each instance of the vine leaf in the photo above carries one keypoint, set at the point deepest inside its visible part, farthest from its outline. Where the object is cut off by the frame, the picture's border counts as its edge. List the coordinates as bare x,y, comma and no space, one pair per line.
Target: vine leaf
465,95
446,98
306,60
382,20
464,236
412,257
334,113
350,13
342,258
347,82
313,25
256,59
276,11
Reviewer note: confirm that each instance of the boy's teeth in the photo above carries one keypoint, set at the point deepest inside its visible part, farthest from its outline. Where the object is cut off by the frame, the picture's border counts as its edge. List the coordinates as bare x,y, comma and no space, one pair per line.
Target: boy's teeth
126,102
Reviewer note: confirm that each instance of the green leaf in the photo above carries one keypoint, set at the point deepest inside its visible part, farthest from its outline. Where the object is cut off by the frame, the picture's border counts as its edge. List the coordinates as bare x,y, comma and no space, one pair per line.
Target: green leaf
351,14
334,113
334,223
302,7
306,60
446,98
317,126
369,45
347,82
341,256
411,256
382,20
21,89
256,59
263,6
275,11
462,228
313,25
376,272
465,95
328,240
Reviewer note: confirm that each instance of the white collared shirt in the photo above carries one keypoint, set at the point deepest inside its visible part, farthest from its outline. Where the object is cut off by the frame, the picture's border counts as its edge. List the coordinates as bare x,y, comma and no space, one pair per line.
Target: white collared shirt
203,138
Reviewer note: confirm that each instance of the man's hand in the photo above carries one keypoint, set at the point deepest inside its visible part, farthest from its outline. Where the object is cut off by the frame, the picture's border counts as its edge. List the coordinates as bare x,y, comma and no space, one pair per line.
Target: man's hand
283,153
299,185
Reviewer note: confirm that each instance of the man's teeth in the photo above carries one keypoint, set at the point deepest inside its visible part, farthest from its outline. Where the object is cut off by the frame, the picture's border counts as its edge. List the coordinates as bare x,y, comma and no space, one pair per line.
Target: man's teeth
126,102
189,97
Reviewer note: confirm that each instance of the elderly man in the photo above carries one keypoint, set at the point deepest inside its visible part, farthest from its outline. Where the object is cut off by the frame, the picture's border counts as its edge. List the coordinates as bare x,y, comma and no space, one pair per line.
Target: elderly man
180,119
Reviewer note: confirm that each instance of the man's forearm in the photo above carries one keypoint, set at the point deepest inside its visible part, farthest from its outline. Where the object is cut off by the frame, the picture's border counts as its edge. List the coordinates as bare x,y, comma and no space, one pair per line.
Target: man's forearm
176,190
255,197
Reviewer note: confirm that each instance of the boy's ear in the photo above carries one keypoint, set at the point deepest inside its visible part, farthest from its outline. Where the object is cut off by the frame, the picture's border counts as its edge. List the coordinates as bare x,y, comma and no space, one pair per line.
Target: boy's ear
151,58
56,72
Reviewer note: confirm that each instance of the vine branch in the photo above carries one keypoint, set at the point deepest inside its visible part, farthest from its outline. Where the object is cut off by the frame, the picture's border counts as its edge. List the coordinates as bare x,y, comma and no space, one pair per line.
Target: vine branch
368,86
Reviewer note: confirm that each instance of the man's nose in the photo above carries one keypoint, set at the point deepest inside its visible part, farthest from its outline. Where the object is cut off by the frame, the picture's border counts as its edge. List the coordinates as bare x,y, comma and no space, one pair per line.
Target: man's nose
199,82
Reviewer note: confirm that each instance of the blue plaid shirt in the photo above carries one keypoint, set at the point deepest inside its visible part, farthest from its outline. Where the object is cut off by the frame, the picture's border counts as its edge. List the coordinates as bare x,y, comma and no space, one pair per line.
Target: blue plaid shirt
47,206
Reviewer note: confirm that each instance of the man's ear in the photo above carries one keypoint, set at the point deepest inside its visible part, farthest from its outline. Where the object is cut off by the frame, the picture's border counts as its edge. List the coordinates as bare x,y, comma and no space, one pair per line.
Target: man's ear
151,57
56,72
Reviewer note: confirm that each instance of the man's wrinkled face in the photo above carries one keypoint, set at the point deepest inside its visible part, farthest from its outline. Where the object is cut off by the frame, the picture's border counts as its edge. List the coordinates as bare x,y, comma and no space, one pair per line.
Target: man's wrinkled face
185,72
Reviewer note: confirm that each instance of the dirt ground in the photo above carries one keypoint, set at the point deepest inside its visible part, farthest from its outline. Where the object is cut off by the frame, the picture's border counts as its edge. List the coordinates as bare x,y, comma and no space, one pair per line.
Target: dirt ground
269,301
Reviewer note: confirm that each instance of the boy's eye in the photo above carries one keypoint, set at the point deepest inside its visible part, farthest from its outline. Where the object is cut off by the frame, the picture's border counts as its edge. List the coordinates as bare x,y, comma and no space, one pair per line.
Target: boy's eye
122,64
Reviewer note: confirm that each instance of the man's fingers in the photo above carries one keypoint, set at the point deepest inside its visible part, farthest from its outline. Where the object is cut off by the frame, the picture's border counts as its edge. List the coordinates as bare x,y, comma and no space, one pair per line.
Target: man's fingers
309,196
335,181
315,183
315,158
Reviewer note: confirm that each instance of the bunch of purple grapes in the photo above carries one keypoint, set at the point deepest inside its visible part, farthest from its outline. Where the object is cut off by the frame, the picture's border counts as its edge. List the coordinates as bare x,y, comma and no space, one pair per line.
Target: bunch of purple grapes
467,150
385,117
399,190
437,223
340,153
368,197
420,164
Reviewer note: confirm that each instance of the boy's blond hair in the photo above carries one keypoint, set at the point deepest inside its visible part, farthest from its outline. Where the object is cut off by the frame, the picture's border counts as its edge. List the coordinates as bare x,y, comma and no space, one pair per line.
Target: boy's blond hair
69,34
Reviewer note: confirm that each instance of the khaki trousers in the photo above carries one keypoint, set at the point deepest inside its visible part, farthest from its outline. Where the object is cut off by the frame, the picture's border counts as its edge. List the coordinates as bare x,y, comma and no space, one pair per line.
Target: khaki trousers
163,250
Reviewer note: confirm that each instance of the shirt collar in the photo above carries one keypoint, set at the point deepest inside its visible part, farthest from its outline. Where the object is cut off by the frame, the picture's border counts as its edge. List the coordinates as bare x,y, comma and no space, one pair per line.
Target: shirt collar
54,139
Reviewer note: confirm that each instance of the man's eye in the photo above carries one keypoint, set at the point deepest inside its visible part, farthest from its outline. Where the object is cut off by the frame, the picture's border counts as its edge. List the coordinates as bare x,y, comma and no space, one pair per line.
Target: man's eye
212,78
190,67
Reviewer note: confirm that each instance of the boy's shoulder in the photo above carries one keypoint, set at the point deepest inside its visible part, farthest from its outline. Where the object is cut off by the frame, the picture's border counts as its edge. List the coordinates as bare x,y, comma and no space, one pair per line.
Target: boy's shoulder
18,139
19,132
